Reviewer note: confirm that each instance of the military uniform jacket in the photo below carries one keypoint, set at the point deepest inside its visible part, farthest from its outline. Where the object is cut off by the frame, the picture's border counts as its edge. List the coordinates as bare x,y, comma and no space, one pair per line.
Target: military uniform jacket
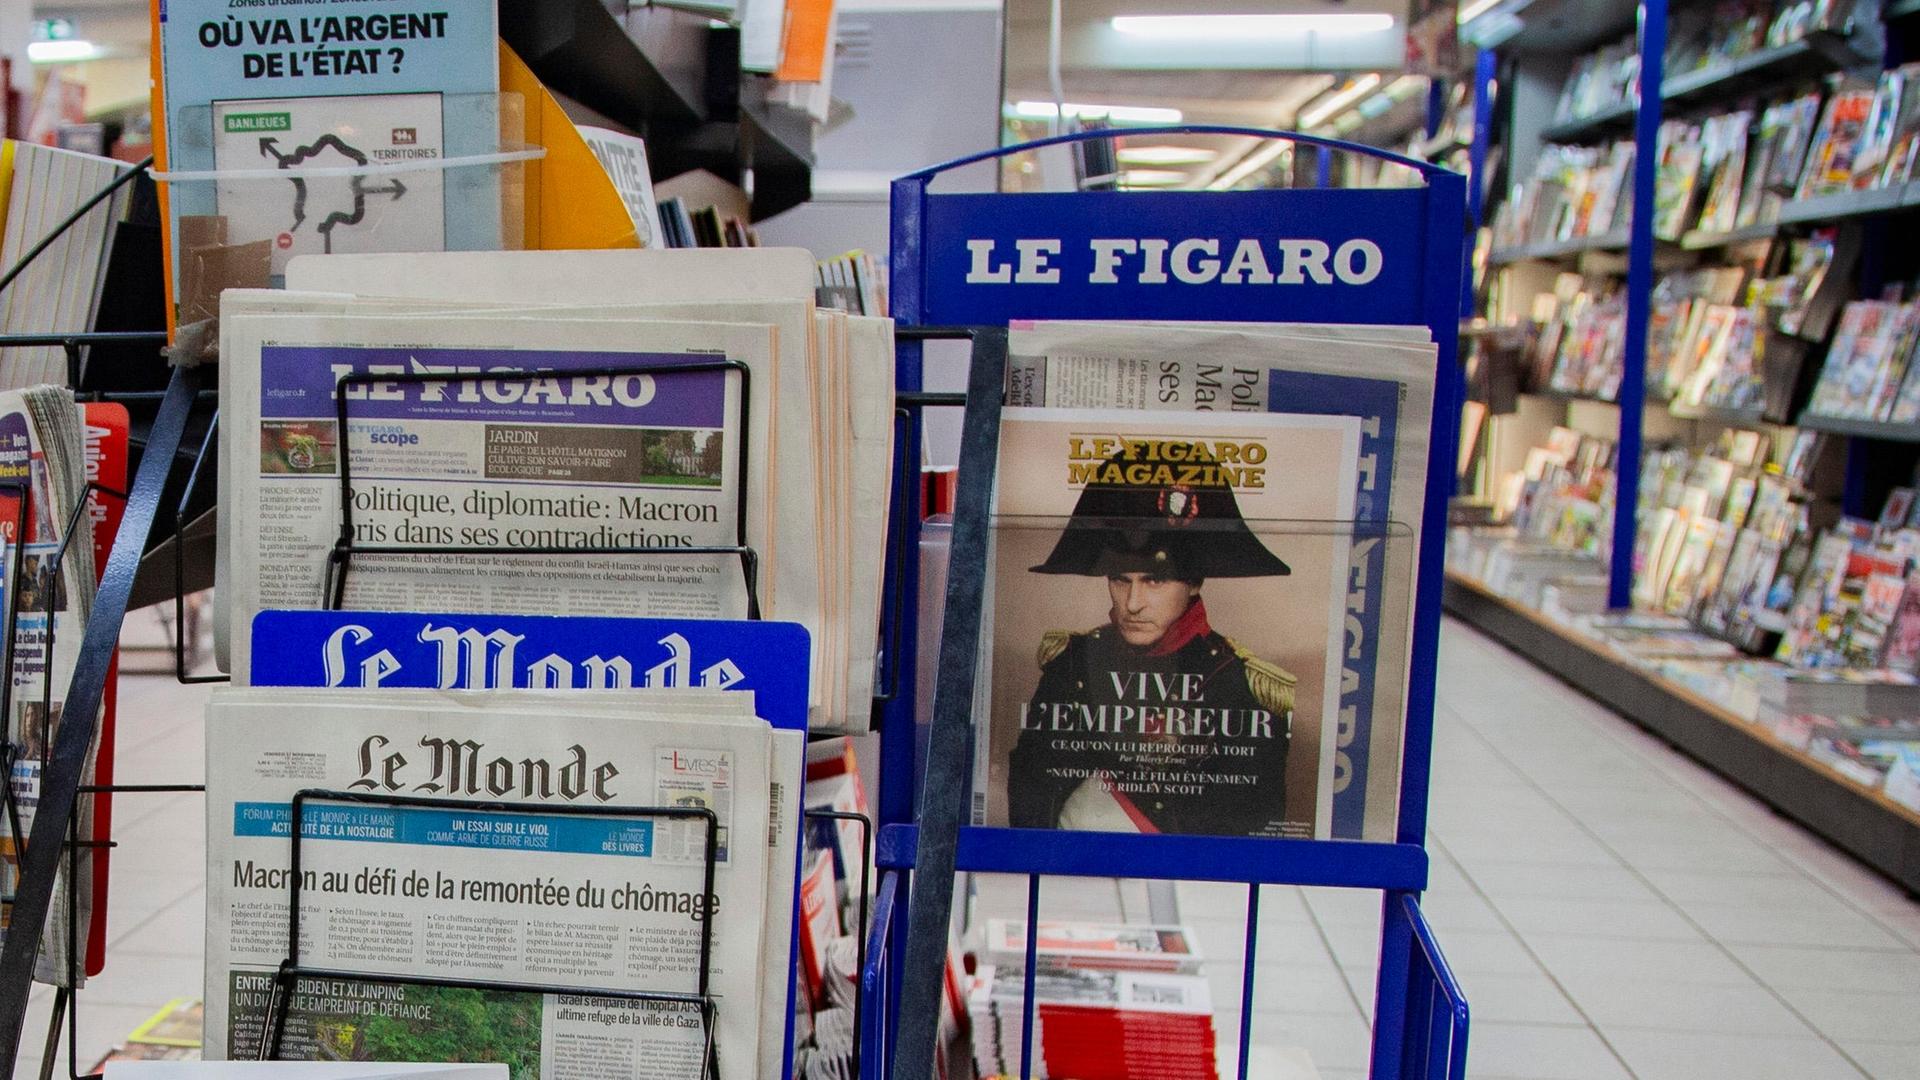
1193,741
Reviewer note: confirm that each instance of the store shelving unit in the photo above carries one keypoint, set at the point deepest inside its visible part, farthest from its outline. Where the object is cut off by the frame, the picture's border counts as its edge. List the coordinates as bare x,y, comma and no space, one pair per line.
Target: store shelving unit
1882,833
1559,249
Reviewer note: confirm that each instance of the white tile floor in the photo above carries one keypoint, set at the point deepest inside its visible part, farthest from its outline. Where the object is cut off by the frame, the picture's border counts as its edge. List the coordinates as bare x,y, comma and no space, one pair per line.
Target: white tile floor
1613,909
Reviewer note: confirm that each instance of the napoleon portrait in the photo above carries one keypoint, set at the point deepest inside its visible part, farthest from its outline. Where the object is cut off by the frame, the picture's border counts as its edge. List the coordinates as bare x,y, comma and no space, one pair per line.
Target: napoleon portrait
1153,721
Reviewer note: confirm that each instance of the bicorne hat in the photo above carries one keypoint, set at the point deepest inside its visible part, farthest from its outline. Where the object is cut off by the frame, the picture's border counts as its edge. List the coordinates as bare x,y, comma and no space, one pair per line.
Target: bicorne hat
1177,530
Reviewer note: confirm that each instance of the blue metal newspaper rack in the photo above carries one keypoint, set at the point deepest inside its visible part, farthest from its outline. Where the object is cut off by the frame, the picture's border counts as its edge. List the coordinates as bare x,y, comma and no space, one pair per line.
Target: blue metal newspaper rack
974,262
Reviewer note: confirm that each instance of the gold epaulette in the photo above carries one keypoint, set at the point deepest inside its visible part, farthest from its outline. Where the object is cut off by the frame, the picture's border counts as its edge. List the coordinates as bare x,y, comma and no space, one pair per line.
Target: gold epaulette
1272,685
1052,644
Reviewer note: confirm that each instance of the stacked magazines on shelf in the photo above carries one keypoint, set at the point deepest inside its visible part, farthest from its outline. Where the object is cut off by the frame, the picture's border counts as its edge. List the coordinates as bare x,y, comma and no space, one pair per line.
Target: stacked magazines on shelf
1602,81
1113,1001
1868,373
1743,597
1868,135
1582,339
1575,192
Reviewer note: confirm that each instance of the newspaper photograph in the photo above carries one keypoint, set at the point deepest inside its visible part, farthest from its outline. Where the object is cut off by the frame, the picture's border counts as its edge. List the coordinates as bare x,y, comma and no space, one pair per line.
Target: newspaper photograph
611,901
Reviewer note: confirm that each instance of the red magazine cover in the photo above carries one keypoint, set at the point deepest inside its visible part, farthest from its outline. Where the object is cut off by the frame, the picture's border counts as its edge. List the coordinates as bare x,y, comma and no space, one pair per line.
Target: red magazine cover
106,464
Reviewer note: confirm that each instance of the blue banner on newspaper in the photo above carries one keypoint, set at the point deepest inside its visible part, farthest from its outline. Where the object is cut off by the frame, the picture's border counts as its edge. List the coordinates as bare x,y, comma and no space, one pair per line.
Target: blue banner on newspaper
1275,256
1377,403
540,652
298,382
431,827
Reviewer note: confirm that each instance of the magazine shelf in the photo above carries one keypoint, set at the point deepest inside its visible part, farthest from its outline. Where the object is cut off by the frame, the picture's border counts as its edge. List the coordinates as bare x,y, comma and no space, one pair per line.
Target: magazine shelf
1609,121
1560,249
61,787
1708,241
1421,1016
1864,429
1841,206
1880,832
1749,417
1821,51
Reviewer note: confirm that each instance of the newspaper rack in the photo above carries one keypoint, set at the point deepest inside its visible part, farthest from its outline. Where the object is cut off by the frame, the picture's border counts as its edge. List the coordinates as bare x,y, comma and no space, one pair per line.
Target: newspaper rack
943,275
280,1002
340,559
61,787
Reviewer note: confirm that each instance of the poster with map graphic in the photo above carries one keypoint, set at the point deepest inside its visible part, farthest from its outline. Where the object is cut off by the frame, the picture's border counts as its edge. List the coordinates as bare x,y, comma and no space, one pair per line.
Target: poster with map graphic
325,88
325,206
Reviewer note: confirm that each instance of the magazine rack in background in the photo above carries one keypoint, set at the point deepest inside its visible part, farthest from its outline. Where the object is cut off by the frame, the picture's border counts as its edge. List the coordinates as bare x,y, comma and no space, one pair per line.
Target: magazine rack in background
958,261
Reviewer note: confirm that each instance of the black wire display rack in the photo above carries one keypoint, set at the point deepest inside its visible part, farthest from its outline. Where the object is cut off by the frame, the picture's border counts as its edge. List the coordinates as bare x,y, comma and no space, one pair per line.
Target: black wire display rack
41,849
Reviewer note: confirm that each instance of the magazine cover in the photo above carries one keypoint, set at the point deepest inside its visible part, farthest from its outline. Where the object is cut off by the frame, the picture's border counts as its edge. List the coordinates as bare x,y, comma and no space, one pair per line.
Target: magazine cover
1382,375
1168,618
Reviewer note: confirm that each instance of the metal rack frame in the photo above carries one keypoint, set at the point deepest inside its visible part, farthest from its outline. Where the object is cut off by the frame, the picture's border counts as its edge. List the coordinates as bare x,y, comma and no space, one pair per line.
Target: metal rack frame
1421,1016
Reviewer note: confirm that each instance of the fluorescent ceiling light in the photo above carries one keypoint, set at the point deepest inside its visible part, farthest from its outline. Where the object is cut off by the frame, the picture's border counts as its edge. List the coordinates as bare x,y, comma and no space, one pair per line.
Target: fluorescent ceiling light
1252,163
1338,100
1166,155
1241,27
1120,114
60,52
1152,177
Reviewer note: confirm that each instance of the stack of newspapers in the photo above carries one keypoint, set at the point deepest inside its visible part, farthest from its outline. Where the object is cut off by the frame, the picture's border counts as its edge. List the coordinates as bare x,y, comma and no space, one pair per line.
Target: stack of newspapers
1093,977
1201,587
1104,1023
59,291
630,433
44,466
494,845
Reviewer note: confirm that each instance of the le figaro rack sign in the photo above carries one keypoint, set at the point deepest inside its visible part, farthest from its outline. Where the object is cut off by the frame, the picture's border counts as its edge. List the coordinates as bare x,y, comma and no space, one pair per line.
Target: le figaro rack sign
1278,256
1194,260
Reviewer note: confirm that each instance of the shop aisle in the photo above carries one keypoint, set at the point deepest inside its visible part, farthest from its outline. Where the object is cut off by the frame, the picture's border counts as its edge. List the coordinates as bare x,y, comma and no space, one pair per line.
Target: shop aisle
1613,910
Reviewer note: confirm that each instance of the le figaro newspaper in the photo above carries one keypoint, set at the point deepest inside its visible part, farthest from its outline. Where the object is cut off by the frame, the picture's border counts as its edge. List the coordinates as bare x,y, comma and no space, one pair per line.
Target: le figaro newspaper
552,441
436,894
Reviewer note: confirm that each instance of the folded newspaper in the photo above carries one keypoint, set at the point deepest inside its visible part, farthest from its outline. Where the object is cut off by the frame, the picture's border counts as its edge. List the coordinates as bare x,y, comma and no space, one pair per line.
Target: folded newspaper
531,486
579,886
48,595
